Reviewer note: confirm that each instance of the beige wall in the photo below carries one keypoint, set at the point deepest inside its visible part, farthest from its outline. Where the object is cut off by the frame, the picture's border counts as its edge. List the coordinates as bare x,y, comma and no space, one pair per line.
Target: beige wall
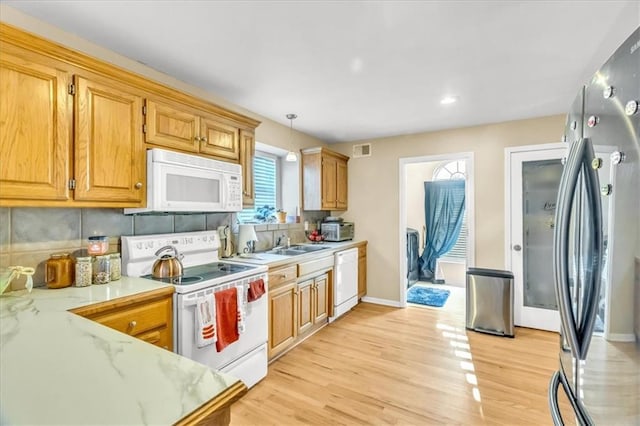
269,132
374,190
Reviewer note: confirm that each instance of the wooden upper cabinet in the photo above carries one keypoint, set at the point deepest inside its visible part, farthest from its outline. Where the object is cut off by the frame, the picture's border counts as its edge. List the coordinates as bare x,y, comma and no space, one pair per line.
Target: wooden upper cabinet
341,185
109,150
171,127
87,149
247,152
185,129
324,179
35,128
219,139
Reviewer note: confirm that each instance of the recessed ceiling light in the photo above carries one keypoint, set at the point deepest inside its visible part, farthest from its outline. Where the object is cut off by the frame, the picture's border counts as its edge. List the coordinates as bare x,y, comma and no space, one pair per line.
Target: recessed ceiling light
449,100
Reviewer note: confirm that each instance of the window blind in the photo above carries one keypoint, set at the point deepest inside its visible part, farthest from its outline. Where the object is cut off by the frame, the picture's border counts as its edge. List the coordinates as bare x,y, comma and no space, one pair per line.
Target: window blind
264,181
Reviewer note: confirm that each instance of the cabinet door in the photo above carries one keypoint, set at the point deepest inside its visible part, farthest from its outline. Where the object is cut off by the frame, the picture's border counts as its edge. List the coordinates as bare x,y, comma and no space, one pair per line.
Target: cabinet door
341,185
247,152
329,167
321,298
35,123
171,127
282,318
305,305
362,270
219,139
109,152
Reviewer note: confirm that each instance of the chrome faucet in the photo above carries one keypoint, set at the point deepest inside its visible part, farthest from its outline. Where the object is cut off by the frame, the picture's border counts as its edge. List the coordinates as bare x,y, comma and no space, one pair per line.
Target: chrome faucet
282,237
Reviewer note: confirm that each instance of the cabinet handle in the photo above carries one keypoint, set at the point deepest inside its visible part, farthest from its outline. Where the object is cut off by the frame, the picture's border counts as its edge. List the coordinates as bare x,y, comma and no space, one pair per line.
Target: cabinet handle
138,185
203,139
197,138
132,325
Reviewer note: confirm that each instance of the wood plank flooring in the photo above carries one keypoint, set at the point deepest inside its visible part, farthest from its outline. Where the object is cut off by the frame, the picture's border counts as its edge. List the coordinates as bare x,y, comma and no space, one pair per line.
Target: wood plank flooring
413,366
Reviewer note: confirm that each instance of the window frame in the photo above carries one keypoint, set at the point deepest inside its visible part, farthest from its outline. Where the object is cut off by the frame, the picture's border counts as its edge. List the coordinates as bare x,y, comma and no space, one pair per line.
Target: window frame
241,215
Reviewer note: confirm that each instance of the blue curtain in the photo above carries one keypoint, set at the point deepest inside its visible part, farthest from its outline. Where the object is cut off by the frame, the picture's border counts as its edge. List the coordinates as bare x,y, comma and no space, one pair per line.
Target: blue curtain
444,202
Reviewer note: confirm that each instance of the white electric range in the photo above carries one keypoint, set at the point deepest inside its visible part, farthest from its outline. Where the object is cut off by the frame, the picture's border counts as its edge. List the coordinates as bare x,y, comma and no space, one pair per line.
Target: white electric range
203,274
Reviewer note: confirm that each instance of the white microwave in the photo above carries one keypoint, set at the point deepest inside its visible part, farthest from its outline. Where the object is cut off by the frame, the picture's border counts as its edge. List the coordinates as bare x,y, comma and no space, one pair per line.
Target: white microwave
179,182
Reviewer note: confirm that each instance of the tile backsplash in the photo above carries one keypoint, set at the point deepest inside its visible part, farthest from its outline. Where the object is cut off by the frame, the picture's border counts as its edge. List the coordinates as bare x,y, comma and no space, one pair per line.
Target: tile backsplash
29,235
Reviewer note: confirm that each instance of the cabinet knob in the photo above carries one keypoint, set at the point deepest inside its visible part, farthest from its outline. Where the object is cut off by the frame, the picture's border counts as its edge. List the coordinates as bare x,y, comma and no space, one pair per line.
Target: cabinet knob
203,139
132,324
138,185
197,138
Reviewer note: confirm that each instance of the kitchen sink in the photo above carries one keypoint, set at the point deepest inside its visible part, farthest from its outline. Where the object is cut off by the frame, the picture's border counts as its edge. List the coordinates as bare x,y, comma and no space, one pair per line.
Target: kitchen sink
286,252
308,248
296,250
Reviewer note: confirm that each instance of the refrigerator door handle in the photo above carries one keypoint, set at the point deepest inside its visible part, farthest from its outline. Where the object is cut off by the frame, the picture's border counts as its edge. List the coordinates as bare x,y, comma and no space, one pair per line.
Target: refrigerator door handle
568,183
554,387
593,260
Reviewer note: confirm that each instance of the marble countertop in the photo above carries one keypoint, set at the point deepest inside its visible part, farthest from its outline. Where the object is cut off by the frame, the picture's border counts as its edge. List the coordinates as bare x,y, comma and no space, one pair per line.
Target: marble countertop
59,368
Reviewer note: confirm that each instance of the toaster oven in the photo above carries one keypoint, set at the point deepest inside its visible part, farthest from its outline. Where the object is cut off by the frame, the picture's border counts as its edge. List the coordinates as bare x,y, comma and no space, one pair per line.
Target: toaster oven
337,231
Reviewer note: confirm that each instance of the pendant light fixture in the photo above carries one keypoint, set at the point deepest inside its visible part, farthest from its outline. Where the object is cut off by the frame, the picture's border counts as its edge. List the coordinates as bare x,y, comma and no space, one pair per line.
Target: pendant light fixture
291,156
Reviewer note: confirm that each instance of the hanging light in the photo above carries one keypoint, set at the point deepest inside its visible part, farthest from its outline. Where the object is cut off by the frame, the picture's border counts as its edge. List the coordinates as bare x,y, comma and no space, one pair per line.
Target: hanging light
291,156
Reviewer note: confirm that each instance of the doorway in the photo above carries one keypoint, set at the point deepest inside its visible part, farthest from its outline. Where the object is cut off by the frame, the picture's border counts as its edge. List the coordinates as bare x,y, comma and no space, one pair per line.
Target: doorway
414,172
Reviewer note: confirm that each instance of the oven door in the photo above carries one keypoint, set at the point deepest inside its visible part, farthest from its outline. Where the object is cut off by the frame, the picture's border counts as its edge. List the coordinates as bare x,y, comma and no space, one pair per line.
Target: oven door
255,334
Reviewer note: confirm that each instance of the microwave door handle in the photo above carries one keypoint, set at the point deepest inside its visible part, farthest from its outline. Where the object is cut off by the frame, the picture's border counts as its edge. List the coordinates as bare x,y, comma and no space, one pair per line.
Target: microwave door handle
593,259
568,183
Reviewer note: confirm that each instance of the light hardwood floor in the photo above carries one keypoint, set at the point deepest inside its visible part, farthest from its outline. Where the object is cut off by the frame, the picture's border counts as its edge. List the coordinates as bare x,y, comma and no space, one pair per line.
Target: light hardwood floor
413,366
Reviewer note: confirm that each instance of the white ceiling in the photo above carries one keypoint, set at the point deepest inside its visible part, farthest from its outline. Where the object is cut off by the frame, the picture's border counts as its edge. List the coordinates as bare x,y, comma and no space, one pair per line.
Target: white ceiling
356,70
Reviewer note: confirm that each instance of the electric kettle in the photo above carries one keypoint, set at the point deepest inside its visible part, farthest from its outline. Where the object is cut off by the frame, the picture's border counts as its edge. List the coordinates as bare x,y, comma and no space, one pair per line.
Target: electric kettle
167,265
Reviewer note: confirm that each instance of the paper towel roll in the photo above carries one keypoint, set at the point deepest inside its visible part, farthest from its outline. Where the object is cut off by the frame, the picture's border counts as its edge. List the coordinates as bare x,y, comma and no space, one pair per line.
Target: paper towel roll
247,233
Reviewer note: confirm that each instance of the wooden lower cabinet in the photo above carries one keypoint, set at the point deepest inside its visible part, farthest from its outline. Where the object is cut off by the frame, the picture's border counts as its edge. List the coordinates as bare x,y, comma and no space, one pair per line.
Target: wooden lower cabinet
320,296
147,316
296,309
362,270
282,318
305,306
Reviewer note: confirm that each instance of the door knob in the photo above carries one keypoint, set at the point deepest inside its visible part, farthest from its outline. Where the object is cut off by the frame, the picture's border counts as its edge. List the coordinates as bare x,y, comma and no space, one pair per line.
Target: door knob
517,247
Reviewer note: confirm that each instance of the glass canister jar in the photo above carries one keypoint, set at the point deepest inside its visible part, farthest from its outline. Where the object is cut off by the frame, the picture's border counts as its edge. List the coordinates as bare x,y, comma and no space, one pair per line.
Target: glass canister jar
115,266
59,271
97,245
83,271
101,269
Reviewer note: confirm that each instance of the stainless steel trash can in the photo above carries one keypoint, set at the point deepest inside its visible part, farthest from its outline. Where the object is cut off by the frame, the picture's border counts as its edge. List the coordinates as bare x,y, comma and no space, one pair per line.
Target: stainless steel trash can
490,301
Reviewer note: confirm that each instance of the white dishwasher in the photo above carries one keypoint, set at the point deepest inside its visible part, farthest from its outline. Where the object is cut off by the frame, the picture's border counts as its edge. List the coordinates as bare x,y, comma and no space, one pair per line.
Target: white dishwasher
345,283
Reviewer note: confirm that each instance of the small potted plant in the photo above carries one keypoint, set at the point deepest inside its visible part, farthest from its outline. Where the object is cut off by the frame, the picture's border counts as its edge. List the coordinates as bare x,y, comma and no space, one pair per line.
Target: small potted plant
281,215
264,214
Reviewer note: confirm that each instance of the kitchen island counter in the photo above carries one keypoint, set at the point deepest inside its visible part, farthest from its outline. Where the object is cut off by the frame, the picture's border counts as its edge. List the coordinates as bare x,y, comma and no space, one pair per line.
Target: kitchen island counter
59,368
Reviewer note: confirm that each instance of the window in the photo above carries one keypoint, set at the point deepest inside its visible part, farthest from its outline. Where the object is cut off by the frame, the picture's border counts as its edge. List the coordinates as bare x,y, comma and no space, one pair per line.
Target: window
265,181
455,170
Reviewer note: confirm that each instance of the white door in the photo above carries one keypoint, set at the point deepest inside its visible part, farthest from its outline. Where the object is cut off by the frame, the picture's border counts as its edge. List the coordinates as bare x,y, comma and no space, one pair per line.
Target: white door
532,188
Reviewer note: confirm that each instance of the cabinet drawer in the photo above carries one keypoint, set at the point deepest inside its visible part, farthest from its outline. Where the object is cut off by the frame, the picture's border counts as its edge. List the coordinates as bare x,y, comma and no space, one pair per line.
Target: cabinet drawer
139,319
280,276
316,265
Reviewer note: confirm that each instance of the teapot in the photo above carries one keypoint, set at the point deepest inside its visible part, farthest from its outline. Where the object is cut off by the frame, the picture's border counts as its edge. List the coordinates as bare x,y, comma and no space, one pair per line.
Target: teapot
167,265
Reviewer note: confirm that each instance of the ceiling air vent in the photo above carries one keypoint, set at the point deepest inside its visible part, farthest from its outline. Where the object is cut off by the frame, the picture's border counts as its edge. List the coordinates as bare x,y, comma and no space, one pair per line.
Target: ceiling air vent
362,150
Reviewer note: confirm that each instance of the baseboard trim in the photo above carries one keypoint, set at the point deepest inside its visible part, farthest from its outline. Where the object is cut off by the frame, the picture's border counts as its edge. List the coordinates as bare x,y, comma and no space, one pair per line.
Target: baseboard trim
621,337
385,302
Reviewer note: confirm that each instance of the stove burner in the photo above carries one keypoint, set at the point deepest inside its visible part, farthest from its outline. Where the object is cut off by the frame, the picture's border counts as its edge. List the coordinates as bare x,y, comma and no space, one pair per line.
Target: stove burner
206,272
185,280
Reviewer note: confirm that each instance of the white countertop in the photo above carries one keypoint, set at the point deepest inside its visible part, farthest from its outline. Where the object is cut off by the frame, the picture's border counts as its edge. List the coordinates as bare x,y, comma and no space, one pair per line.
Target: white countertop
59,368
272,260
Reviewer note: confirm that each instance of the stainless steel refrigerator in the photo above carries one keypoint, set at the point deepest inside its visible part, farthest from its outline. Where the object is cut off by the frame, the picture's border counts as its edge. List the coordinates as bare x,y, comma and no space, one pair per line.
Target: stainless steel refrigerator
596,256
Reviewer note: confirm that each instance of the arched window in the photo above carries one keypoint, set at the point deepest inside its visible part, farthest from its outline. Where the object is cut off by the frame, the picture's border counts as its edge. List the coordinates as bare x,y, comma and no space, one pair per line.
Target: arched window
455,170
450,170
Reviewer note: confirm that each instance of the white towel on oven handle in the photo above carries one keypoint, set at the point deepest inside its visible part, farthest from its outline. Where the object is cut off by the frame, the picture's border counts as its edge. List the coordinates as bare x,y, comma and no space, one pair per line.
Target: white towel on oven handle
241,292
206,333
